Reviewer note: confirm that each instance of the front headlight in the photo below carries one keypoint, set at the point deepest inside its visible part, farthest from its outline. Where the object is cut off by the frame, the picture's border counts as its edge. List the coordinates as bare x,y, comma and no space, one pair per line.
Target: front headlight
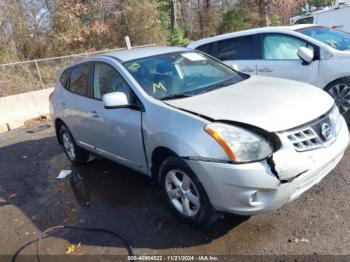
240,144
336,120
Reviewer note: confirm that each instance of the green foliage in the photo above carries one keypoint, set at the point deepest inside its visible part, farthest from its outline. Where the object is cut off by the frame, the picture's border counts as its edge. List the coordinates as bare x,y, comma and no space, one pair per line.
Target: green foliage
5,54
238,18
164,9
177,37
275,20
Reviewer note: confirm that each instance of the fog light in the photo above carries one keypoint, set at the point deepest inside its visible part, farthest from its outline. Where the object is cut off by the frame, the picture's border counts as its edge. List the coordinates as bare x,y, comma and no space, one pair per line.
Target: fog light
253,199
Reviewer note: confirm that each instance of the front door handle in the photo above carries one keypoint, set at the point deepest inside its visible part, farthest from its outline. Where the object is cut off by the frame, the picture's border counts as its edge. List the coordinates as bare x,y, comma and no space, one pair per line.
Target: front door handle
63,104
265,70
93,114
248,70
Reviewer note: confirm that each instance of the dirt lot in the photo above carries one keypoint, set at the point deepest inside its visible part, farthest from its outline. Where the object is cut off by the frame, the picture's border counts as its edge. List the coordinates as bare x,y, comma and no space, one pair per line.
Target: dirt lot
105,195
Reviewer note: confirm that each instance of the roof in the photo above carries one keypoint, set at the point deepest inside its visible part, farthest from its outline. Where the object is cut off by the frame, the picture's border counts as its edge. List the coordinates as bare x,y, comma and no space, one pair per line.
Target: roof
260,30
327,9
140,52
297,27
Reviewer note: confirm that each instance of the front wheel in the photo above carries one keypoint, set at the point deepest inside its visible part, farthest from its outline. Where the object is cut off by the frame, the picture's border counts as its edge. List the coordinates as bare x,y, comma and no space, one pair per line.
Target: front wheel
184,193
340,91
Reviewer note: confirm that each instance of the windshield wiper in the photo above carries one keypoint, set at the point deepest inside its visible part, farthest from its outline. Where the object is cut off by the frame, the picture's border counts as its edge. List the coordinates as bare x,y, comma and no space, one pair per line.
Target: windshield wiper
176,96
224,83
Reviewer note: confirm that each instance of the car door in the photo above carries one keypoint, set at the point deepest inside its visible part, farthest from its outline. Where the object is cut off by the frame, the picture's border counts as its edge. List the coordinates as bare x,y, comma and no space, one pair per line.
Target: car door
237,52
77,105
279,58
118,132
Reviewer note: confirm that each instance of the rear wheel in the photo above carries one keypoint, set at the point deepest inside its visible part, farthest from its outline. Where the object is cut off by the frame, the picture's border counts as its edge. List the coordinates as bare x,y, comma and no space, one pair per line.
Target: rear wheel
75,154
185,194
340,91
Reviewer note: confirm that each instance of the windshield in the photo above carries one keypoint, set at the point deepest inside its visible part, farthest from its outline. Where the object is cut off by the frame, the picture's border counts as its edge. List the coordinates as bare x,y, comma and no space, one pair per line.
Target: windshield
180,74
335,38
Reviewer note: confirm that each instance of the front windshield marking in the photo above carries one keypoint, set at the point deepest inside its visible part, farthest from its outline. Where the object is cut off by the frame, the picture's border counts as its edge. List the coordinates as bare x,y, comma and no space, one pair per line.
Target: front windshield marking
180,74
334,38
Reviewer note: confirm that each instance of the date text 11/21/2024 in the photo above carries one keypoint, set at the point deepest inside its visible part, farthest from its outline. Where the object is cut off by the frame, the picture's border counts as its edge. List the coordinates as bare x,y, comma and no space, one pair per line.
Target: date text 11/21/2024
173,258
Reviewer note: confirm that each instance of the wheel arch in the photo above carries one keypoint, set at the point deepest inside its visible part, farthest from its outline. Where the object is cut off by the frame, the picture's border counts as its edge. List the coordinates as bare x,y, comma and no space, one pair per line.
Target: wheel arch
58,123
343,108
159,154
343,78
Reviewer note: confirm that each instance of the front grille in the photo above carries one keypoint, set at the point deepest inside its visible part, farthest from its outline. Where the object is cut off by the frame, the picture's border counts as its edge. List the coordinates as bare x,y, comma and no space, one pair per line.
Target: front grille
310,136
304,140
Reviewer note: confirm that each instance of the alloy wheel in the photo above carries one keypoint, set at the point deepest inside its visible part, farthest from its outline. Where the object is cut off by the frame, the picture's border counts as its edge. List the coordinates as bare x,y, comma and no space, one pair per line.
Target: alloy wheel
182,193
341,95
68,145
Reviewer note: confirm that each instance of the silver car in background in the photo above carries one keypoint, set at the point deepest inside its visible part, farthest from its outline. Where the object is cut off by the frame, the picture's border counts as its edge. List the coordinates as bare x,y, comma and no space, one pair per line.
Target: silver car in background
215,140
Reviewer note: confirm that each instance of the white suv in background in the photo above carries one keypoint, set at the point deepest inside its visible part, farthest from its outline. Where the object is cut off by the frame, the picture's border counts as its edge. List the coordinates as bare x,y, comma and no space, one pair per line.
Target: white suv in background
309,53
336,17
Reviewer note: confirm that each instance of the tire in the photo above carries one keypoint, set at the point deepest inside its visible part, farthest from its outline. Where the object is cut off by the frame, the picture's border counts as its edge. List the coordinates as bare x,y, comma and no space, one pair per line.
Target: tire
75,154
188,201
340,91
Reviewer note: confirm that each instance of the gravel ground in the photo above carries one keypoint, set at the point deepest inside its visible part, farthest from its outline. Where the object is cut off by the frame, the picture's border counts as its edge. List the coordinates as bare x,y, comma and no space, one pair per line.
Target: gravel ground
105,195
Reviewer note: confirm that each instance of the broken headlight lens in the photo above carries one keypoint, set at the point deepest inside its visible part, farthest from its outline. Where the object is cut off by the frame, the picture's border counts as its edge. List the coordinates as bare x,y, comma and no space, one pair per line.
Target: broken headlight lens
336,120
240,144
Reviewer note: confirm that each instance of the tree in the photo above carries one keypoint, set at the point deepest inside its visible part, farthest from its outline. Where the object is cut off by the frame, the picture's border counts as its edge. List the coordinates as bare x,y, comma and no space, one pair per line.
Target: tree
39,28
173,14
319,3
177,37
23,31
264,6
237,18
285,9
143,22
207,18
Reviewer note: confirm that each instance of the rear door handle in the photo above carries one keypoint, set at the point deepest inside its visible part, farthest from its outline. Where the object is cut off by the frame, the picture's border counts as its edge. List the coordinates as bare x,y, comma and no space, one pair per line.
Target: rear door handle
248,70
93,114
265,70
63,104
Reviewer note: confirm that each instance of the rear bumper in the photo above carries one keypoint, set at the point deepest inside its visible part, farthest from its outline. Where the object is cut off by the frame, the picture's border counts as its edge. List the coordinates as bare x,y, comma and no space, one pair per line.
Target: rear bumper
250,189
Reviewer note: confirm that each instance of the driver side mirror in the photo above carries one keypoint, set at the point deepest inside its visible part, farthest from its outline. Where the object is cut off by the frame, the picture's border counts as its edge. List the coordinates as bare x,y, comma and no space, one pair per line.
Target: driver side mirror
306,55
115,100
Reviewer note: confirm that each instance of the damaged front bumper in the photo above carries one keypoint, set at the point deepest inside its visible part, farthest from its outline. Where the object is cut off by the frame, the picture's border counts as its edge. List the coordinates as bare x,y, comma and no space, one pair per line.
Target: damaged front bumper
260,187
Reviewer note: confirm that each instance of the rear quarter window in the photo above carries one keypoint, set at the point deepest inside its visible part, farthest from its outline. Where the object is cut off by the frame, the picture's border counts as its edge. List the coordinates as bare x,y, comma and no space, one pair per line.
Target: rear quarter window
207,48
64,78
80,79
239,48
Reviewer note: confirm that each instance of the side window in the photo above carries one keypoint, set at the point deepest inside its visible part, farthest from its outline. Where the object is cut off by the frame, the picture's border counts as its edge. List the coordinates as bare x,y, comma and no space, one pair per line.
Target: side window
240,48
282,47
64,78
79,80
107,80
207,48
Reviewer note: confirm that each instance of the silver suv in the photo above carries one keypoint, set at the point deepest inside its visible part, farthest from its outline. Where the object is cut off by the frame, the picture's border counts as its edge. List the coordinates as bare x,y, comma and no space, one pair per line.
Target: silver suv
213,138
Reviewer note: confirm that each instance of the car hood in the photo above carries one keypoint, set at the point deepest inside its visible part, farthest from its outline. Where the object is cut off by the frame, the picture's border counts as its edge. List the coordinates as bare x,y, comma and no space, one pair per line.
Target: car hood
272,104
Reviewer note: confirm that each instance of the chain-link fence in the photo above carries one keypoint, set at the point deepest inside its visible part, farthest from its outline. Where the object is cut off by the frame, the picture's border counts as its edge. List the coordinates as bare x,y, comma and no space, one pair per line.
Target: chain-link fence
21,77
